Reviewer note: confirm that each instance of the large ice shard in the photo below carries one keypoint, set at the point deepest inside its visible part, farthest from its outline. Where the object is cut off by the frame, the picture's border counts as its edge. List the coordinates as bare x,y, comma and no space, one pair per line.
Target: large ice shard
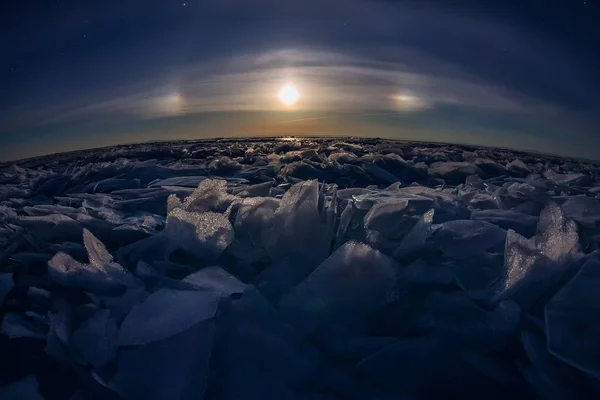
52,228
185,181
343,291
398,166
521,223
299,237
120,305
258,190
457,314
102,275
462,239
202,235
57,340
210,195
569,179
258,357
99,257
379,216
166,313
215,279
583,209
96,339
68,272
343,224
415,239
490,167
253,218
518,167
380,174
453,171
573,320
173,367
300,222
556,237
547,375
533,267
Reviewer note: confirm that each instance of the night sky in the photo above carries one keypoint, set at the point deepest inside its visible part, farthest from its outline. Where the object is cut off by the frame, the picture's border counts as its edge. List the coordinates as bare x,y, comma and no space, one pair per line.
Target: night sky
519,74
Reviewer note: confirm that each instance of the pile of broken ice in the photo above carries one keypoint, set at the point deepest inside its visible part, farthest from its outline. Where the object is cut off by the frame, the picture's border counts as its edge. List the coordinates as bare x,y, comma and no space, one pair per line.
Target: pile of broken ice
389,275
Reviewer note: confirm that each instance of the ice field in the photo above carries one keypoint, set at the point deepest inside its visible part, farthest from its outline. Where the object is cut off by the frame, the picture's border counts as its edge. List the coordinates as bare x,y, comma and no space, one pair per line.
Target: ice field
322,269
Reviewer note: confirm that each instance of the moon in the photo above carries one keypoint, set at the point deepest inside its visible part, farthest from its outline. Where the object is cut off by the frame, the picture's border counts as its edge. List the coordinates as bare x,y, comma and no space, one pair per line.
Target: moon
289,95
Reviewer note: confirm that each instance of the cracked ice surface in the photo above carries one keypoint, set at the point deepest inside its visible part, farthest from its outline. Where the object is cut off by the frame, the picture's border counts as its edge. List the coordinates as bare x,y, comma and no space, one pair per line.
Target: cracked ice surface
299,269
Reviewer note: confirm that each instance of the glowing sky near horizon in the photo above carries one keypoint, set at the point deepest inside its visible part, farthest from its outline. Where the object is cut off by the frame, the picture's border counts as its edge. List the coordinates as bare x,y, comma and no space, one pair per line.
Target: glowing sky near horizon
82,75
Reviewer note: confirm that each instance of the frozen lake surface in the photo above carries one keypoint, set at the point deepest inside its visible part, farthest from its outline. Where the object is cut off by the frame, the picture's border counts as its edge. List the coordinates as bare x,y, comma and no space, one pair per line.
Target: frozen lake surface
322,269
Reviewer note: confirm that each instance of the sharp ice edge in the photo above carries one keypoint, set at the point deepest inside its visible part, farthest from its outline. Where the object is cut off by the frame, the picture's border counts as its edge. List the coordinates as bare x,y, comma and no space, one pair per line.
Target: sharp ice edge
301,269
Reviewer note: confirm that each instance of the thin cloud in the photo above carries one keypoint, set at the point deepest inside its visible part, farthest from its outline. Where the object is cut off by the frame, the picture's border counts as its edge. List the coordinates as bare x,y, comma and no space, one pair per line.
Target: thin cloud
327,82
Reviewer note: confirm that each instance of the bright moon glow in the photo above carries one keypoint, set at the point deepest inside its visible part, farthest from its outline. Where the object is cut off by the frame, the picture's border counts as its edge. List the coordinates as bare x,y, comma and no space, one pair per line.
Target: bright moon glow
289,95
173,103
407,102
169,104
